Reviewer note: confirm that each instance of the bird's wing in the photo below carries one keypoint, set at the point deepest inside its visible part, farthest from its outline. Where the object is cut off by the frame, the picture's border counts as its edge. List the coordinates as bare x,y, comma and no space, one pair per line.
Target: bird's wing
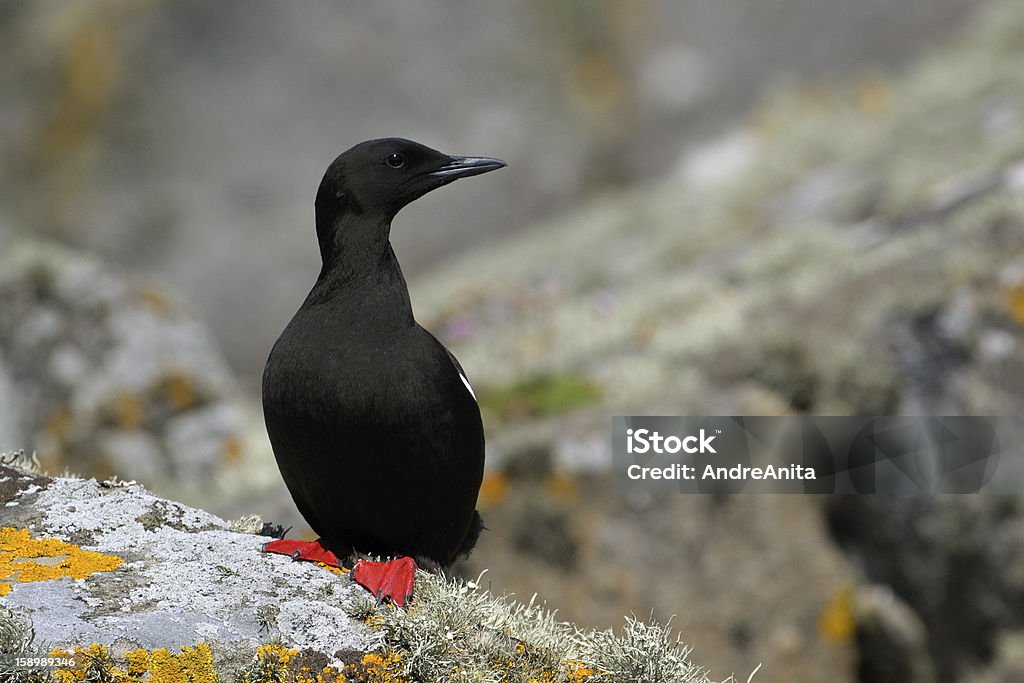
462,373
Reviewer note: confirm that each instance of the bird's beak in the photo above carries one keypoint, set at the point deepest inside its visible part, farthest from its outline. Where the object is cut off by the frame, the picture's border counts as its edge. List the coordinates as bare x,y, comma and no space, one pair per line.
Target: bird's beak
463,167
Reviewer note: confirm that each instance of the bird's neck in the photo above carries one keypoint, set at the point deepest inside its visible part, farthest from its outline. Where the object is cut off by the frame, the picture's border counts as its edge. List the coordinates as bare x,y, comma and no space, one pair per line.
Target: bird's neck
360,266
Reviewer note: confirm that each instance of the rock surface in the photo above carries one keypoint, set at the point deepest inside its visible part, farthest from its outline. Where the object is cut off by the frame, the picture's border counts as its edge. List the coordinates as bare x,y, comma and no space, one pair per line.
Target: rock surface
169,575
122,585
105,374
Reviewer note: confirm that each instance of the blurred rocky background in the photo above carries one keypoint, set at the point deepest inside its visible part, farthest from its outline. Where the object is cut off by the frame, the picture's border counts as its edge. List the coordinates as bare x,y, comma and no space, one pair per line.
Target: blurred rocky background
711,208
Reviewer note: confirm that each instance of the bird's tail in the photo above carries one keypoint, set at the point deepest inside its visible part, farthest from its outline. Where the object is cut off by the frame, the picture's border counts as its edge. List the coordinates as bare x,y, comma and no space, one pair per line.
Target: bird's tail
472,536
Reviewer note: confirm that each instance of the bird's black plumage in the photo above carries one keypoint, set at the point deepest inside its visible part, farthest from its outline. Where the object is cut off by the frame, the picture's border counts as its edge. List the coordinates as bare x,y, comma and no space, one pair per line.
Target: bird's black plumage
375,429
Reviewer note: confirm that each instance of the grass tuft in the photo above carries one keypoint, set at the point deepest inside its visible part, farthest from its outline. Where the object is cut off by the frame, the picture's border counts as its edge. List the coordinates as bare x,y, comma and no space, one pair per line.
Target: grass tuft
18,639
22,461
455,631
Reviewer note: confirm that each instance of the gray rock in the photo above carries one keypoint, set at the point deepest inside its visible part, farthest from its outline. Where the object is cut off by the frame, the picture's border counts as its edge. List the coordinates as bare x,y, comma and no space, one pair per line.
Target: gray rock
184,576
105,374
110,568
892,641
954,560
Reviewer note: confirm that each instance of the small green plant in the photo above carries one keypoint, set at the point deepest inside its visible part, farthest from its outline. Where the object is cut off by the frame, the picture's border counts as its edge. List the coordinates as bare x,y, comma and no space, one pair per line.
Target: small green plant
541,396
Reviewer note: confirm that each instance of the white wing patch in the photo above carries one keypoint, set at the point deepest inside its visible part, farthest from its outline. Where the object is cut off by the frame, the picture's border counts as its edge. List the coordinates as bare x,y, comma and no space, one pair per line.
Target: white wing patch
468,386
458,369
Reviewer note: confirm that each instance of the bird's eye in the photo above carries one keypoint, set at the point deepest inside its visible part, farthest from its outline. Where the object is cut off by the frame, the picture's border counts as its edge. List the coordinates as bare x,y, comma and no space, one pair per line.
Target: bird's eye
396,160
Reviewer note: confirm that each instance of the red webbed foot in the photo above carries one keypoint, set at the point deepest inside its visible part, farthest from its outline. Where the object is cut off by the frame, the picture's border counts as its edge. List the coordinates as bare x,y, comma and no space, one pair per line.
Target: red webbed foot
311,551
391,580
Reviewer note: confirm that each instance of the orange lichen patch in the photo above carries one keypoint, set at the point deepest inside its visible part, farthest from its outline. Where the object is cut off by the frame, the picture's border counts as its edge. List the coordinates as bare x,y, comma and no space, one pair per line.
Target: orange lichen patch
191,665
374,621
336,570
138,662
838,620
376,668
274,657
231,451
561,487
328,675
128,411
578,672
60,422
180,391
493,489
275,662
1015,302
88,77
520,668
30,559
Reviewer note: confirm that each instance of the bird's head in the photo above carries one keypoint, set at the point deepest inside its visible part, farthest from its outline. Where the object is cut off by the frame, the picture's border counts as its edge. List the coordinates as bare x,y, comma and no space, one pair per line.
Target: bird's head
377,178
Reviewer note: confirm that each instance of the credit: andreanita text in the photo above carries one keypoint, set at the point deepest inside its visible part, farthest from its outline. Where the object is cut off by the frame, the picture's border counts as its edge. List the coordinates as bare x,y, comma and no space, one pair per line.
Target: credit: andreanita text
712,473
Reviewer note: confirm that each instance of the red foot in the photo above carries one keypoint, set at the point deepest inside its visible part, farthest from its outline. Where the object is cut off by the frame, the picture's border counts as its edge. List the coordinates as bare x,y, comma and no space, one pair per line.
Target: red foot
311,551
392,580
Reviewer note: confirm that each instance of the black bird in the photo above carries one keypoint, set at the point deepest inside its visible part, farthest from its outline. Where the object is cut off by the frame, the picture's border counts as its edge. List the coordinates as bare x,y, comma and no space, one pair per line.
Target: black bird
374,425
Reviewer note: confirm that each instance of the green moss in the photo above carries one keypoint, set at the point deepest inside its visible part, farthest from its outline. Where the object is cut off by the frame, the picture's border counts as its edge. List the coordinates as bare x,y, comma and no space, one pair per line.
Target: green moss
541,396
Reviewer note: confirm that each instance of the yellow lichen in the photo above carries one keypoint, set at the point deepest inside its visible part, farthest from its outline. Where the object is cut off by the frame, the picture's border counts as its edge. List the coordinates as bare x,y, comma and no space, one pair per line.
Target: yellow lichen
138,662
336,570
60,422
232,450
374,621
128,411
838,620
191,665
1015,302
276,662
578,672
561,487
276,653
494,489
30,559
328,675
376,667
180,392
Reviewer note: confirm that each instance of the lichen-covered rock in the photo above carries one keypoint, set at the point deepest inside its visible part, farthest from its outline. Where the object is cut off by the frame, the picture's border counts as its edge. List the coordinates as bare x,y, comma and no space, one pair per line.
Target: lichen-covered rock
104,375
111,563
955,562
119,584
